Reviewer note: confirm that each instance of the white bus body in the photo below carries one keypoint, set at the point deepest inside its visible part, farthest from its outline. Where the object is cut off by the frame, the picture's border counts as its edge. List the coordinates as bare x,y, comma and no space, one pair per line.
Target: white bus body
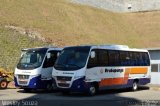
34,70
101,67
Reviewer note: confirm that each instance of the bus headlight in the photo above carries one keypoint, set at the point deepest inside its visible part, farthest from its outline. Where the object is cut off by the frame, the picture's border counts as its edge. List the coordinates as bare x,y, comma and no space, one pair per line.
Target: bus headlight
54,77
77,77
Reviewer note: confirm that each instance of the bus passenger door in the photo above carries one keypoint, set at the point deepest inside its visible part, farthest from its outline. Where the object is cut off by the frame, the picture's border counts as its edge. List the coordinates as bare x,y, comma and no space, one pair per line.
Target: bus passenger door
46,73
92,71
97,68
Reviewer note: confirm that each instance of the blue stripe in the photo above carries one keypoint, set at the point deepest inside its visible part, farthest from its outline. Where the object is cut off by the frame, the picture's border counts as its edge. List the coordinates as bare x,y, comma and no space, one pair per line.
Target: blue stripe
141,81
35,83
80,85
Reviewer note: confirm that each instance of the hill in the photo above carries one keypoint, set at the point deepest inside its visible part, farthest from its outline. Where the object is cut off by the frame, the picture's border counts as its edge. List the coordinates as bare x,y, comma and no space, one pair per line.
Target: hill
11,43
63,23
60,19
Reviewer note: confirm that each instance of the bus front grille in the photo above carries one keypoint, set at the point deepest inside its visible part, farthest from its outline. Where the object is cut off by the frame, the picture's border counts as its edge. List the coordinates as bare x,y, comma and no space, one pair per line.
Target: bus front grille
23,82
62,78
63,84
23,76
23,79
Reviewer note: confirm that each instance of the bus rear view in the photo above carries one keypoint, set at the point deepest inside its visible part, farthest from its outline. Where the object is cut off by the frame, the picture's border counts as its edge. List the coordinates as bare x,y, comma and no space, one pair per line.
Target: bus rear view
92,68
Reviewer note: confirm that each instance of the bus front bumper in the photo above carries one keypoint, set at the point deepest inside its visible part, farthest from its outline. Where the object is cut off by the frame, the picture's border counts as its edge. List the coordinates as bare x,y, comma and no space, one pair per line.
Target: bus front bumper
33,83
78,85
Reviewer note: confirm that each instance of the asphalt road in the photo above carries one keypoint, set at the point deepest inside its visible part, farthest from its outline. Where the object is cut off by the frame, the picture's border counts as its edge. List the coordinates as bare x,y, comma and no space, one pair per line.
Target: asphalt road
144,96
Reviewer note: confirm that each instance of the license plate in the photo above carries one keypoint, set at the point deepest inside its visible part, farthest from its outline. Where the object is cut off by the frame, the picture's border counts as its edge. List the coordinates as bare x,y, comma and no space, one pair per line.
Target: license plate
62,81
23,80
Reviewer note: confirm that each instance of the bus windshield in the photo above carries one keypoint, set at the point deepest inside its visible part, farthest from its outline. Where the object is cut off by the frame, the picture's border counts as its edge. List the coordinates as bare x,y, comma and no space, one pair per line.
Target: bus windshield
32,59
72,58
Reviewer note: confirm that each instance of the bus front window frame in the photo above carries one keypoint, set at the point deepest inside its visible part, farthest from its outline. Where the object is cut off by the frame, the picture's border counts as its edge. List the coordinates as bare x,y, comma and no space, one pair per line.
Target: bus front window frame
72,58
25,64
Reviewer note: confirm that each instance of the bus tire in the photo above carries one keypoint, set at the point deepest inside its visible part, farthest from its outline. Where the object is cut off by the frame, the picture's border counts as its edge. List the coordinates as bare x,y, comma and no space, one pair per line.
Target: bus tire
49,87
3,84
92,90
135,85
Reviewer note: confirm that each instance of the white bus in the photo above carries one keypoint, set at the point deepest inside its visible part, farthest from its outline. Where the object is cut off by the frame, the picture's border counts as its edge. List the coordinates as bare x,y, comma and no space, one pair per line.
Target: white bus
91,68
34,69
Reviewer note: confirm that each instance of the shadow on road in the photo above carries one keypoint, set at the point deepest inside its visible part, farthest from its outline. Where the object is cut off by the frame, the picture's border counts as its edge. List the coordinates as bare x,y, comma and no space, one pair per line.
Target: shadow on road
103,98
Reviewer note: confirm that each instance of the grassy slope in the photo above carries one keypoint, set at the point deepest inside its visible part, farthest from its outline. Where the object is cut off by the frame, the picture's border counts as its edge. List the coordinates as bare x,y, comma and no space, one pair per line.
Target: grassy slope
59,19
147,27
11,43
71,24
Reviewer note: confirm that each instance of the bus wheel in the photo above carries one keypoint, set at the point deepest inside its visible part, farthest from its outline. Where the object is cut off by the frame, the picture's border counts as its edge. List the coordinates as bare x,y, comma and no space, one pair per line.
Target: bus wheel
3,84
135,86
27,90
92,90
49,87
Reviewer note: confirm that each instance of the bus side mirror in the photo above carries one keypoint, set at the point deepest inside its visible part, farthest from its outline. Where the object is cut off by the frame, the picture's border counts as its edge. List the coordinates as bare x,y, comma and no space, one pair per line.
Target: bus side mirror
93,54
48,55
22,53
58,54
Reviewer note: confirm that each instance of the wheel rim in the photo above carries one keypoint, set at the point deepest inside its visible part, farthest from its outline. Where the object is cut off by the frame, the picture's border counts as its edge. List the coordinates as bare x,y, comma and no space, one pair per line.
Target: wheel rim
135,86
3,84
92,90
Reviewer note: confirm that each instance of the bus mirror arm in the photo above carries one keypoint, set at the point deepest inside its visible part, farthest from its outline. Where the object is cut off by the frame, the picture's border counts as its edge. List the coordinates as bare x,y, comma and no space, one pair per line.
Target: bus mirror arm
58,54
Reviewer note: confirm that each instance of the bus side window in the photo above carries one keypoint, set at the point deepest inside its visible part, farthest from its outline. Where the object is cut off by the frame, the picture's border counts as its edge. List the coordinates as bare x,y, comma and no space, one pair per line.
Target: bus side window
93,62
146,60
131,59
114,59
137,58
124,58
50,62
103,57
141,60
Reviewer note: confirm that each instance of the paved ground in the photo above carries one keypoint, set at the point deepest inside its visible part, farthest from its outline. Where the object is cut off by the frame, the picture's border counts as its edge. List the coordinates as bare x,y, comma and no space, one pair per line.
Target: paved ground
143,96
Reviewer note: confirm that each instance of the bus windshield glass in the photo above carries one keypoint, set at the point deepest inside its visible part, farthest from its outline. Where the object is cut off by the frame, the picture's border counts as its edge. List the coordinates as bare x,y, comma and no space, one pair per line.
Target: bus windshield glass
32,59
72,58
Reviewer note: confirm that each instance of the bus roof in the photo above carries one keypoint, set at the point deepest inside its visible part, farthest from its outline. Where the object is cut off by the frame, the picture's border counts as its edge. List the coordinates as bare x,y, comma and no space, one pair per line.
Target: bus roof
49,47
113,47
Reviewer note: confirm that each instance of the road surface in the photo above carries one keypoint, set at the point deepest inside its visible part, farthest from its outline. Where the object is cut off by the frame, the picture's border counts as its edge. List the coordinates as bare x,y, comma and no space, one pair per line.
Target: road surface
144,96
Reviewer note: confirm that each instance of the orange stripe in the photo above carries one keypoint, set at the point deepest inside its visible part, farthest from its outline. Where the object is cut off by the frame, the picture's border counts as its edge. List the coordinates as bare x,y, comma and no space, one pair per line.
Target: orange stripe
126,75
106,82
118,81
137,70
113,81
122,80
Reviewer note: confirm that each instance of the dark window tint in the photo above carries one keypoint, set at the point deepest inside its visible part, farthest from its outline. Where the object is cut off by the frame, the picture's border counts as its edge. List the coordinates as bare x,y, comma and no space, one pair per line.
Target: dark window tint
124,58
103,58
50,62
118,58
146,59
139,59
114,59
32,59
93,62
72,58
